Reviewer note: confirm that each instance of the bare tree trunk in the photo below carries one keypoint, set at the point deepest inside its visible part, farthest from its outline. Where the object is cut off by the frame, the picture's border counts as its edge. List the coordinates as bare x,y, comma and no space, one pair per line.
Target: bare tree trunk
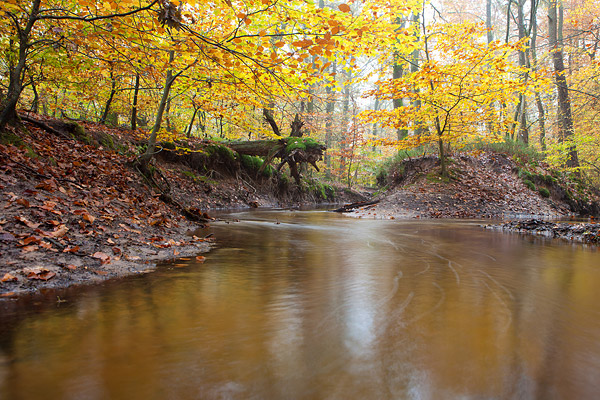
35,104
564,104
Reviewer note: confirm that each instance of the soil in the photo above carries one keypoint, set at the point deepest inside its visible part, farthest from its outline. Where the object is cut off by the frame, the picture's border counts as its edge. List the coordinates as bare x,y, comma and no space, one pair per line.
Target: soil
75,210
485,185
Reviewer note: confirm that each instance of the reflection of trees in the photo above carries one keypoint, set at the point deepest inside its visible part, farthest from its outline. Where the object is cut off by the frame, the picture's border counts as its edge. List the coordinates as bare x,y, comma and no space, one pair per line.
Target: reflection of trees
328,312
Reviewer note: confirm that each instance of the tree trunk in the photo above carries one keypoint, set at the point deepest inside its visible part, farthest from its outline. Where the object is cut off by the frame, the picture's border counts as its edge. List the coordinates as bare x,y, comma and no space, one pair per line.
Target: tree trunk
150,150
414,68
113,90
533,50
397,73
134,108
488,21
8,108
564,104
35,104
189,130
329,109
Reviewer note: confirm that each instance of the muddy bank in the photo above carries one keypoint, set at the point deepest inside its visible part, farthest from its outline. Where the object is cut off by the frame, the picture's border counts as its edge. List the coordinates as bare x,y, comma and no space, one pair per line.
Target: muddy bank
577,232
487,185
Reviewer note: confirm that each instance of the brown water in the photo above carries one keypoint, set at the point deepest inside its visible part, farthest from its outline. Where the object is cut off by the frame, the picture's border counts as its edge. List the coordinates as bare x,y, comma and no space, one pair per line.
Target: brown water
320,306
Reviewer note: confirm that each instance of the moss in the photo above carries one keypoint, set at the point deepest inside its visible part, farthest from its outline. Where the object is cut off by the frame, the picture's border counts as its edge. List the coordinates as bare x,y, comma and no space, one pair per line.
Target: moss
168,145
297,143
10,138
544,192
529,184
30,152
78,132
255,163
199,178
526,175
319,189
220,151
435,177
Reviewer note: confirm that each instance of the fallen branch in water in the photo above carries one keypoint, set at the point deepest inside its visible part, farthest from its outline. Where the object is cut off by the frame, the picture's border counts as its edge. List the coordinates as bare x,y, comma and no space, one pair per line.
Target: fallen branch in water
352,206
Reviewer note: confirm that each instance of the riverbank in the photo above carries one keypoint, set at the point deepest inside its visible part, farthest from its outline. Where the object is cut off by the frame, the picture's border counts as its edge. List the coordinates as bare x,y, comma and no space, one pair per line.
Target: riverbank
588,233
488,185
75,210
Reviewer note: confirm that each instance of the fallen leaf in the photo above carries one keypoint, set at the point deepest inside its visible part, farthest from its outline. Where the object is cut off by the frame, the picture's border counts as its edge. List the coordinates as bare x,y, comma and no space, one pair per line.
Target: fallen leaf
42,275
100,272
116,250
71,249
8,278
60,231
105,258
31,240
23,202
26,222
89,218
29,249
71,267
201,259
9,294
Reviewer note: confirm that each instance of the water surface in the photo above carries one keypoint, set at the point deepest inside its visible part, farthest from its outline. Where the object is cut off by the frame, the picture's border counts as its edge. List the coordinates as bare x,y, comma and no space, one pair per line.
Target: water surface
313,305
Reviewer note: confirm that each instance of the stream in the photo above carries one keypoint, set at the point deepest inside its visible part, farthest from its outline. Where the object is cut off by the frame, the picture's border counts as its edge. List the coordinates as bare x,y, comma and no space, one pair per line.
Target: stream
316,305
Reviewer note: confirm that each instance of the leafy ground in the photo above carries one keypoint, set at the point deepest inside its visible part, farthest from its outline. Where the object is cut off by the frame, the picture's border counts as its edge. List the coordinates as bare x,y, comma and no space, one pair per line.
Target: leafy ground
75,210
482,185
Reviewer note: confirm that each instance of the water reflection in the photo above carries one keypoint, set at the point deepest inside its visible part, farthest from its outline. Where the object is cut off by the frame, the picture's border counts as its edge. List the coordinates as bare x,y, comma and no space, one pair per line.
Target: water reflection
303,305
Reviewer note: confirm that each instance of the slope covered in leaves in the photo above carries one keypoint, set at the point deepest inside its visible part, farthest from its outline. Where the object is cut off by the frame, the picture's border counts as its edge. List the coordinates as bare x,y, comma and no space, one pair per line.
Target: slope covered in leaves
72,212
483,185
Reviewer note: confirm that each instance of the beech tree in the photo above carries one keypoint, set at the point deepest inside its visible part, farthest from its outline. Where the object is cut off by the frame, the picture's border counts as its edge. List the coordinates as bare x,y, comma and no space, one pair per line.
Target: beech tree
456,88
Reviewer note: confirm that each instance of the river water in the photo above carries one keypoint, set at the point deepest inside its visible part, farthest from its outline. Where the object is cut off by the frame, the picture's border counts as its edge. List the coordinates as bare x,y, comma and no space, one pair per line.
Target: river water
314,305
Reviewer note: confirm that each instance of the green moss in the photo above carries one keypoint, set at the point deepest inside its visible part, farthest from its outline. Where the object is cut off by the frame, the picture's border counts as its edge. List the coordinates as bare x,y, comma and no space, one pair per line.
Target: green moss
544,192
220,151
168,145
255,163
319,189
297,143
526,175
78,132
529,184
10,138
435,177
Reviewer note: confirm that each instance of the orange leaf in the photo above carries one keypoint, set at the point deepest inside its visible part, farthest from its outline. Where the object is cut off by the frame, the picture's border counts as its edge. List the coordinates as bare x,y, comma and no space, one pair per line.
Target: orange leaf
89,218
344,8
201,259
8,278
105,258
42,275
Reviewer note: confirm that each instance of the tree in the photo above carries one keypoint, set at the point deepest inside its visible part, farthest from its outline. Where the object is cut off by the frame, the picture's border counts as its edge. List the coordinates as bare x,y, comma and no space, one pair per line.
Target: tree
564,104
457,85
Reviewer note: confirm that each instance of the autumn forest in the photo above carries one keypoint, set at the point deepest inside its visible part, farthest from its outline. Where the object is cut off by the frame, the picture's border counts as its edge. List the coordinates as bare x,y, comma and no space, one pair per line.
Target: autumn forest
366,78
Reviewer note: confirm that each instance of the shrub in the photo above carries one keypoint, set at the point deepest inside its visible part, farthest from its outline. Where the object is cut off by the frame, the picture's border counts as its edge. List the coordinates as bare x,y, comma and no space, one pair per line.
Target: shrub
544,192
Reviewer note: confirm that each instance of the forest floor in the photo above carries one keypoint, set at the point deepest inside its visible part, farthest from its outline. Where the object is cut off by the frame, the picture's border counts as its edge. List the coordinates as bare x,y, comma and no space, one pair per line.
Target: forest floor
74,212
